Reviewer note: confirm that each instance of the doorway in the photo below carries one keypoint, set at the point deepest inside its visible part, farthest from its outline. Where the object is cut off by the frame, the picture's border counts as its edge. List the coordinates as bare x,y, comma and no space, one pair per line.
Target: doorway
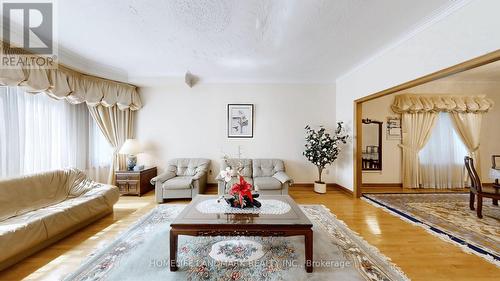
475,74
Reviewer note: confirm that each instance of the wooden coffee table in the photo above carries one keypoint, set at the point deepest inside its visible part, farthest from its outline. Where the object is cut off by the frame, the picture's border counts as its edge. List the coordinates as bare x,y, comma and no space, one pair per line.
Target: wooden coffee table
194,223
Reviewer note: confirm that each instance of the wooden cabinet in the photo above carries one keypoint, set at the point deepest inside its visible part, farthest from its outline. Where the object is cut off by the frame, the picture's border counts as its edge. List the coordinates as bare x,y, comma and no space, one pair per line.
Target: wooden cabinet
135,182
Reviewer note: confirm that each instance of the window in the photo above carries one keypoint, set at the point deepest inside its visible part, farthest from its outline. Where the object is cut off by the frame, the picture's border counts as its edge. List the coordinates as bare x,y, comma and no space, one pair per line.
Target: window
38,133
442,158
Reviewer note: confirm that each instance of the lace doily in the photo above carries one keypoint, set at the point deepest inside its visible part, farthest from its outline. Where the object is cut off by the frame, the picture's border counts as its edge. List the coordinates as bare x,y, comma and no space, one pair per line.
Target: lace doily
269,207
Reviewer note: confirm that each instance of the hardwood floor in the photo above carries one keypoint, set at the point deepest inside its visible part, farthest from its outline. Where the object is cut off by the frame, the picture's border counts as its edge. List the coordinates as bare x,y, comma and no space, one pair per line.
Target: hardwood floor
419,254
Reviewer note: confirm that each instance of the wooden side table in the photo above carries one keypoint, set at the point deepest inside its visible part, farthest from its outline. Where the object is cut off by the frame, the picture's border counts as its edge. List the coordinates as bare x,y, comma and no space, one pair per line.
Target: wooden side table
135,182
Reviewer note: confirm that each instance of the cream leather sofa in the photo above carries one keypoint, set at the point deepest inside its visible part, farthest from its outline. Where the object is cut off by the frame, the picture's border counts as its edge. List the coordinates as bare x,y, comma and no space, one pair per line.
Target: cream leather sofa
37,210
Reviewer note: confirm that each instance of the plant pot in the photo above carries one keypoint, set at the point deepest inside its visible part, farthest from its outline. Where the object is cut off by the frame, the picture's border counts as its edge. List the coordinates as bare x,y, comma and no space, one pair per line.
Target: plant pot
319,187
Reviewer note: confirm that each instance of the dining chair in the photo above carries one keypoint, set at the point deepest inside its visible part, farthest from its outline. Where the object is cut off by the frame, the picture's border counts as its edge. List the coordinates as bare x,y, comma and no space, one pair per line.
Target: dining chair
494,165
477,188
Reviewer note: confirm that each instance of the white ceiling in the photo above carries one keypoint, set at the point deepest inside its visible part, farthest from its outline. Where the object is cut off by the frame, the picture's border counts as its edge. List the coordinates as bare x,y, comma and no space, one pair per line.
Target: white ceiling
307,41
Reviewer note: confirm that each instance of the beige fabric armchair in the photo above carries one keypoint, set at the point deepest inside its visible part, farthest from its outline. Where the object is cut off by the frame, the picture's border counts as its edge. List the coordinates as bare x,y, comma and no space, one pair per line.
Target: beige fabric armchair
183,178
266,175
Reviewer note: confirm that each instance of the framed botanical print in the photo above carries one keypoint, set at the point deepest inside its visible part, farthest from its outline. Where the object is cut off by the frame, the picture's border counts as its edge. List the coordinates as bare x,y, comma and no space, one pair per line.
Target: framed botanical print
393,128
240,120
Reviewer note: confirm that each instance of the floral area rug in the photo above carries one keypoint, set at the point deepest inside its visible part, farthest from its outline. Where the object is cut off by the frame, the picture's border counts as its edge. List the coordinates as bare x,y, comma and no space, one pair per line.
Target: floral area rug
448,216
142,252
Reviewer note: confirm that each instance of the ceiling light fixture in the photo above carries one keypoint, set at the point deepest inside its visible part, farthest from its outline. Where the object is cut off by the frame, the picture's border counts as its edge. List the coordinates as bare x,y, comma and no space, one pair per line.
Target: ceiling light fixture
190,79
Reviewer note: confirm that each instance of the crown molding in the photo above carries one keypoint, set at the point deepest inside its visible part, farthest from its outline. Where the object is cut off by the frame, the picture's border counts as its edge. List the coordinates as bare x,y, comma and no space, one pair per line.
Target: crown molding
88,66
84,65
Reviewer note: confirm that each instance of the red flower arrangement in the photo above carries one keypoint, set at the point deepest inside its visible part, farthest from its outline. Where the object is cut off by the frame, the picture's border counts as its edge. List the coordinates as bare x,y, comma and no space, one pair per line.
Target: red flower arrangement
240,190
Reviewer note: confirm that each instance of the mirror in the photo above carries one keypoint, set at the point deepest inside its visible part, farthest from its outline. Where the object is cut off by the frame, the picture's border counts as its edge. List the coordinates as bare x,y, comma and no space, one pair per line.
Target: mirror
372,145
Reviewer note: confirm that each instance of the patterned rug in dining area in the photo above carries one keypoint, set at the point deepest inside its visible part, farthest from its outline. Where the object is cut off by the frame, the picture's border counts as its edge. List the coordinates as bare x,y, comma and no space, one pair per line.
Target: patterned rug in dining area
448,216
141,253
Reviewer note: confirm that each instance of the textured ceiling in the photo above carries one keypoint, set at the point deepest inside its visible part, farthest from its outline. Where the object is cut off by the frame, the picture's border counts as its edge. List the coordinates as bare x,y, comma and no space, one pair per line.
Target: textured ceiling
310,41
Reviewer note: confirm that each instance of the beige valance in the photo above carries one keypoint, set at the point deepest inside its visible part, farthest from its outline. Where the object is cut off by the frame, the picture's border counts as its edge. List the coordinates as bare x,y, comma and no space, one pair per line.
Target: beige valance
413,103
71,85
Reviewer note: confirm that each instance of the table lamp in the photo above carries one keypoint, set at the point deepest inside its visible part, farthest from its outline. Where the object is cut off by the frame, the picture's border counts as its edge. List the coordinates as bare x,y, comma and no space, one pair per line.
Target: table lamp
131,148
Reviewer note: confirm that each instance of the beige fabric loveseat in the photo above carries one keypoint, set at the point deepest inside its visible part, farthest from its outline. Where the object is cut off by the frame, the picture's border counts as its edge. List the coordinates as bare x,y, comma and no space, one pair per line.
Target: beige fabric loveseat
37,210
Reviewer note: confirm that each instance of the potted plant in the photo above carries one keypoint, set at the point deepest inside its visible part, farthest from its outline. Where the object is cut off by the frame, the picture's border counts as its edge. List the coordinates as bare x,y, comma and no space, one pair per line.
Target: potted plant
322,149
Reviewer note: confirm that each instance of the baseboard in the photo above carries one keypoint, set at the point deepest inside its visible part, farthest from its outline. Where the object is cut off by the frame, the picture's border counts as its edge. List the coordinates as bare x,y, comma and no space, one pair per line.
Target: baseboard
329,186
310,186
344,189
378,185
303,185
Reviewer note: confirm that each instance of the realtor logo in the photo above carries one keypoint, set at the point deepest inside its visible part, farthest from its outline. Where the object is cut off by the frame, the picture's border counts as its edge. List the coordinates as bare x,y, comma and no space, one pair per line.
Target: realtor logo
28,27
28,34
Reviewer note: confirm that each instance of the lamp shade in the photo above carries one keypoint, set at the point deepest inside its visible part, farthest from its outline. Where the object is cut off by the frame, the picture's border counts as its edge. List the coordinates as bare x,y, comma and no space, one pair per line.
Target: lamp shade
131,147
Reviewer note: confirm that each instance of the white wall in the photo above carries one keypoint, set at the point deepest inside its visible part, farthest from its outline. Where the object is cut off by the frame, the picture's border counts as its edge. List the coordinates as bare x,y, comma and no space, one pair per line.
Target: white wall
469,32
178,121
379,109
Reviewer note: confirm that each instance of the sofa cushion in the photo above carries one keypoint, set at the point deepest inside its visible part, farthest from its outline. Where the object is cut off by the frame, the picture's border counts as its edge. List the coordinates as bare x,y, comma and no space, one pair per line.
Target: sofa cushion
234,164
187,166
266,183
72,212
267,167
237,180
109,193
21,233
68,213
81,184
178,183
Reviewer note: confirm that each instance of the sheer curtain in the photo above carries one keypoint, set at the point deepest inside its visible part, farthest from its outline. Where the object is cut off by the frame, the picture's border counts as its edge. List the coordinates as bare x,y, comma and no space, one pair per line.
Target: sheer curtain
442,158
38,133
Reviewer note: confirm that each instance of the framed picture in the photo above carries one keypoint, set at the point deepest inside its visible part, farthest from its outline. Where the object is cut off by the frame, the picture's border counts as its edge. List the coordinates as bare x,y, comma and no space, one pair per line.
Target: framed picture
393,128
240,120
